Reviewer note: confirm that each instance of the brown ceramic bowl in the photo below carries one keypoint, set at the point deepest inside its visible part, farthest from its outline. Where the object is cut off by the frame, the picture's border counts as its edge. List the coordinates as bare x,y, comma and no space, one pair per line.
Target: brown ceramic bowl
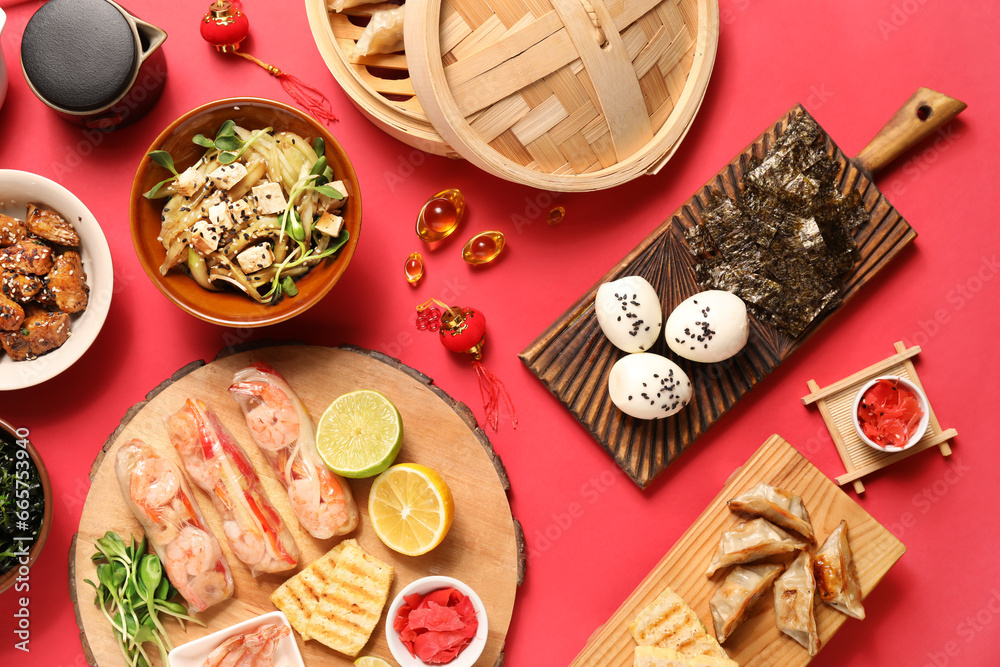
7,579
231,308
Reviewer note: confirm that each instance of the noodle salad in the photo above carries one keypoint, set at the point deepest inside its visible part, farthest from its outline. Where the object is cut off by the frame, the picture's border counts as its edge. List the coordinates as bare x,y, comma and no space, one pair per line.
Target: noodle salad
259,209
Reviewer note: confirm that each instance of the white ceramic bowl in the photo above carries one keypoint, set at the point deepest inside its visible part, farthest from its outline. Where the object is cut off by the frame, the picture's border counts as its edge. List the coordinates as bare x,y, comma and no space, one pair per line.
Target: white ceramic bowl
423,586
921,426
17,189
193,654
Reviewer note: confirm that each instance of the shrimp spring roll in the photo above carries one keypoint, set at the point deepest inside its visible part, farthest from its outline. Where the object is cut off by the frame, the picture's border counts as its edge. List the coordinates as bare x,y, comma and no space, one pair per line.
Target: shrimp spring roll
255,531
281,427
159,497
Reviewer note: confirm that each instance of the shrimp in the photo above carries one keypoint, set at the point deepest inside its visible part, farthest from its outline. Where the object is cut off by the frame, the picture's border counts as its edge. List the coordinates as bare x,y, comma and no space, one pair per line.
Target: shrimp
283,430
186,438
193,552
248,546
270,413
250,649
153,487
208,588
323,505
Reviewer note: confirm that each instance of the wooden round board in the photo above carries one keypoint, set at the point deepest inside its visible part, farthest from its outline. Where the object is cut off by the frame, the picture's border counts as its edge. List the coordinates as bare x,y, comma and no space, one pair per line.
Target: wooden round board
484,547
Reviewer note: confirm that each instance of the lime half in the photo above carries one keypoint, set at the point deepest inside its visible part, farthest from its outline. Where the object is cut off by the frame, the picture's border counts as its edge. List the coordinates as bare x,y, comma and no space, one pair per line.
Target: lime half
360,434
371,661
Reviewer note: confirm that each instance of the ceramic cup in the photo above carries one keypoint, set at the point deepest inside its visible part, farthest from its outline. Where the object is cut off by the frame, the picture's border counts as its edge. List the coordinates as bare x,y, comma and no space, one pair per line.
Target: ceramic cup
3,63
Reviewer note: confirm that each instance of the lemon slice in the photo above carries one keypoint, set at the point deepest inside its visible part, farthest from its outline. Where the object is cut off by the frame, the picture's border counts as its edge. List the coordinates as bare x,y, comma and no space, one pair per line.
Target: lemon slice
411,508
360,434
371,661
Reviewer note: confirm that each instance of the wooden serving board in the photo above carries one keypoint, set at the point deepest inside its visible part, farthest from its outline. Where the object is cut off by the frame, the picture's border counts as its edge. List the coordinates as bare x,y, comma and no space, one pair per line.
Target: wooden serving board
758,641
573,358
484,547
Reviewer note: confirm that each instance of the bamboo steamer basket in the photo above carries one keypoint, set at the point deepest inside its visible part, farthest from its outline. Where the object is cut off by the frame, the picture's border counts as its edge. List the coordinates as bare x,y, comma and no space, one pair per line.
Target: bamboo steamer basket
378,85
568,95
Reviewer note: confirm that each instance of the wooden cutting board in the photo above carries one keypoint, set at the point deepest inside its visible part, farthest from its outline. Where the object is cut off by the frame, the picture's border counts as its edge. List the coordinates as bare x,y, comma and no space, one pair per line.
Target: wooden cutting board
573,358
484,547
758,641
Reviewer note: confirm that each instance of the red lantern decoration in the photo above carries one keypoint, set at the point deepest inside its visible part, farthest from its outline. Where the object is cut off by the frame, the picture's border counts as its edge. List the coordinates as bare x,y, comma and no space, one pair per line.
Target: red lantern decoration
225,26
463,330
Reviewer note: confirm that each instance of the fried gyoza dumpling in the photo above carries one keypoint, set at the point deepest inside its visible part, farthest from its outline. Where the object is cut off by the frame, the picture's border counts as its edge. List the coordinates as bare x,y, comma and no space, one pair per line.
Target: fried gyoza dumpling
383,34
750,541
836,576
733,600
780,507
794,592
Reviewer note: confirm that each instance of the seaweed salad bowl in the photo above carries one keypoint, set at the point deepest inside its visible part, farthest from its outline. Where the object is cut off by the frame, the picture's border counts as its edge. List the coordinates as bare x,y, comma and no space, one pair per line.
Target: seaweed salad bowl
25,505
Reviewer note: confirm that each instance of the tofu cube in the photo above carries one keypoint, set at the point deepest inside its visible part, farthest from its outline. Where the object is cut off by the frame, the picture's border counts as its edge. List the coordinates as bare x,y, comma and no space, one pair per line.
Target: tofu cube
255,258
205,236
227,175
270,199
242,211
189,182
218,215
339,187
330,224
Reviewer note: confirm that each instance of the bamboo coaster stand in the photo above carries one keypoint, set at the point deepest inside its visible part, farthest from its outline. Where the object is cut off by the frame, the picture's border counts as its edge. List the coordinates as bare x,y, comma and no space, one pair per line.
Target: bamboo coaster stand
836,401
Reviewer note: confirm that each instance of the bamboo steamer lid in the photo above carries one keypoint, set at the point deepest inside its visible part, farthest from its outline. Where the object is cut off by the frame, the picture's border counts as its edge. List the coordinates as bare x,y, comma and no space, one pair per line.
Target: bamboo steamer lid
378,85
566,95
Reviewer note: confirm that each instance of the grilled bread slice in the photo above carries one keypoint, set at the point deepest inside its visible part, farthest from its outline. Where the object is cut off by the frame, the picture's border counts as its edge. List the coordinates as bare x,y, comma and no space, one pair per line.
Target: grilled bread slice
351,604
669,622
297,597
656,656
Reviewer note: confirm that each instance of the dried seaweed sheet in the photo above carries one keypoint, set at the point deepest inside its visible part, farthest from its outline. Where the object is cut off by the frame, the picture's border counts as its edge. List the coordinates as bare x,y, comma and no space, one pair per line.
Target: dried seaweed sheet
786,243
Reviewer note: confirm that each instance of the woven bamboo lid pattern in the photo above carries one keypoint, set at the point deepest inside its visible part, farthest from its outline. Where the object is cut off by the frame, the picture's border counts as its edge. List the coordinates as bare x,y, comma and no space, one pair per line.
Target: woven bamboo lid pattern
378,85
562,94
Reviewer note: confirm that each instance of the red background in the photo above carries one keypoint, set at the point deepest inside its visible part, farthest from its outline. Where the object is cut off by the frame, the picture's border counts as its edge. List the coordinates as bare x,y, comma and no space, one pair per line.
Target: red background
852,63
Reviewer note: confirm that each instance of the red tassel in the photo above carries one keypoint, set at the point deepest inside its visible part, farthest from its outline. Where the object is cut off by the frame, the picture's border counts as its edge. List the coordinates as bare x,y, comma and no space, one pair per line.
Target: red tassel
494,393
310,98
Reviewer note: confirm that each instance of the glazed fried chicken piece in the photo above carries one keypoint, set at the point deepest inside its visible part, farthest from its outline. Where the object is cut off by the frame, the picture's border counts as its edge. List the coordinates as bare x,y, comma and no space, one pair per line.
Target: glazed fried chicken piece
51,226
11,314
26,256
20,287
12,230
68,283
40,332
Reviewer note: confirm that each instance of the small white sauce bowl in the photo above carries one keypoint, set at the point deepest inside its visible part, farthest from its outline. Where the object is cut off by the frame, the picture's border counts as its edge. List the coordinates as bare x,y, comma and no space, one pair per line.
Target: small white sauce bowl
424,586
193,654
921,401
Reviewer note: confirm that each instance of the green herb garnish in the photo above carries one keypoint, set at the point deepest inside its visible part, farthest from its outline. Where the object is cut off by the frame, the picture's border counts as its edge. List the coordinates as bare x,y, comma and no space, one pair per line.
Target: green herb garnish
132,593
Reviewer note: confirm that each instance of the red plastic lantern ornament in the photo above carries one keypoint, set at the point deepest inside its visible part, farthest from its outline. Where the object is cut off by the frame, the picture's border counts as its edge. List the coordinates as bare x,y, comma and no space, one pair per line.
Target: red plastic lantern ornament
463,330
225,26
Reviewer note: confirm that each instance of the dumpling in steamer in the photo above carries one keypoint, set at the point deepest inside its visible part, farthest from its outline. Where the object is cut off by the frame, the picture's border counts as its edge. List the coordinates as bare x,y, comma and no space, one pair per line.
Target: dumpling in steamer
836,576
737,595
629,313
780,507
750,541
383,34
794,592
